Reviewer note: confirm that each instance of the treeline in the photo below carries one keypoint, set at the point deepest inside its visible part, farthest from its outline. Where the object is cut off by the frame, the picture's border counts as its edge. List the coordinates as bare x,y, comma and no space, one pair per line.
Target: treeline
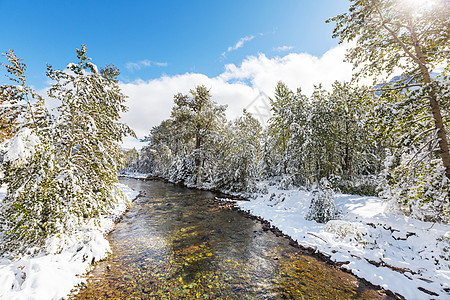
60,167
198,147
326,135
388,139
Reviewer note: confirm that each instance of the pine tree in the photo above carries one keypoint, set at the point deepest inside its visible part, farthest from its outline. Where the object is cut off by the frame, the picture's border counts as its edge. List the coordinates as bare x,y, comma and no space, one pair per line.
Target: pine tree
66,172
20,106
197,120
88,134
286,135
392,35
239,155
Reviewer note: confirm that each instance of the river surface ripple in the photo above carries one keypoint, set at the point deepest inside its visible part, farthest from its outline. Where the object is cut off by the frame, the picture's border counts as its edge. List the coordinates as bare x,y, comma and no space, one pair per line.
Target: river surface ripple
177,243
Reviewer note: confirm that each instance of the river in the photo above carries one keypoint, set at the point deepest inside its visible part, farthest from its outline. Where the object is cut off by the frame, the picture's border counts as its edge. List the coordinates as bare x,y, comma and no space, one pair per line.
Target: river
177,243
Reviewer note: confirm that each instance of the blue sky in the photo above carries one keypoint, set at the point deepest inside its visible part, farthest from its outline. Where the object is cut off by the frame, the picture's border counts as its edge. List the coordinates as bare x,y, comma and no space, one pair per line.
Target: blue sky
162,37
238,49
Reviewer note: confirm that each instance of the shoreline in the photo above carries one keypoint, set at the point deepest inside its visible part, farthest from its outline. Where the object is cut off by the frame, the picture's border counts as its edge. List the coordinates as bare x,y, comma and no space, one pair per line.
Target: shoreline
229,201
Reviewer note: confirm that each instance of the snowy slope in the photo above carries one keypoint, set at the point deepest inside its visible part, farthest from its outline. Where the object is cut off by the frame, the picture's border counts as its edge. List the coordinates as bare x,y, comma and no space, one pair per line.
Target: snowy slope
52,276
401,254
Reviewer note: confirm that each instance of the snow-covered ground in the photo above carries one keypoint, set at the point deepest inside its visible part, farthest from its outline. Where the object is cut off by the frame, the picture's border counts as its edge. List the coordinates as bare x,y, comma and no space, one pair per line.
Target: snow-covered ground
53,276
401,254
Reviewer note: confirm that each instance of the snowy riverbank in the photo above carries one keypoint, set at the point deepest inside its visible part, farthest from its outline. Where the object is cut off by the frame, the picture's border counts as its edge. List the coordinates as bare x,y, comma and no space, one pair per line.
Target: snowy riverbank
401,254
53,276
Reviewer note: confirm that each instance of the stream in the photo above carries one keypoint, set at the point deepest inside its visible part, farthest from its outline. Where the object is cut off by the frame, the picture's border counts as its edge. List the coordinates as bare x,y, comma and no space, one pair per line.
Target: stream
178,243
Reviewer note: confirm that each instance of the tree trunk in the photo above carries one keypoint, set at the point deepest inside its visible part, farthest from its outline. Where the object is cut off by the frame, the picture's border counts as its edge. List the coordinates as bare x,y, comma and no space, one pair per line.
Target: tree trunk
197,158
441,133
435,109
197,148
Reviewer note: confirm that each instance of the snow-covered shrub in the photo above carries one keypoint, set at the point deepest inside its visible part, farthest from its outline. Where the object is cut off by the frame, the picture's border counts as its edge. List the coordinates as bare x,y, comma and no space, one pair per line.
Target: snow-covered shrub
286,183
322,207
421,191
182,170
443,243
364,185
346,230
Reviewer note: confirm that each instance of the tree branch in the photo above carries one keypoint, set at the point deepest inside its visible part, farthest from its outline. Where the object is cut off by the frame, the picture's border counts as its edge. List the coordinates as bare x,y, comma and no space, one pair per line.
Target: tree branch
396,38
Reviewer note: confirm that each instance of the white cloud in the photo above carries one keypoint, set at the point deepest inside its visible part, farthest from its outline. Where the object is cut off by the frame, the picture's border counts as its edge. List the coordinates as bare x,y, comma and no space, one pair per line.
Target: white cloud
161,64
150,102
283,48
132,66
239,44
295,69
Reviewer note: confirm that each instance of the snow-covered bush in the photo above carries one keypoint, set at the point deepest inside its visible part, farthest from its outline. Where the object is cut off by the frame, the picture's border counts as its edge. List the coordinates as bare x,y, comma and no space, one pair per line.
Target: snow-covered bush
346,230
322,208
421,191
443,243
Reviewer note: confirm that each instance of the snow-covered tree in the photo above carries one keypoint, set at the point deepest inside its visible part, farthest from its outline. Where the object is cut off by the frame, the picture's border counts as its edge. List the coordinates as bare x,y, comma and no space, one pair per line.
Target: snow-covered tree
414,38
88,133
197,120
20,106
414,177
131,160
326,134
27,164
66,171
239,155
286,135
162,147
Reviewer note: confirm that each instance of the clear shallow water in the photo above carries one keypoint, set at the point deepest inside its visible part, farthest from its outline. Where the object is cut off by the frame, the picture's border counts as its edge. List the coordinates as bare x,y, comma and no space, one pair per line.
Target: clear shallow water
175,243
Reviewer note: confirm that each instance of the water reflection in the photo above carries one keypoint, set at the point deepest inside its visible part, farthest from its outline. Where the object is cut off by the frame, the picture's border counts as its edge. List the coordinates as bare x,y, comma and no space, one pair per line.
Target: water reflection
175,243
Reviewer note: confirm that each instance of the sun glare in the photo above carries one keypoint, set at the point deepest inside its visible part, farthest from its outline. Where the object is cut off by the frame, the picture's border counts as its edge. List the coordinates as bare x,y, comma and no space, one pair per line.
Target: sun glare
419,3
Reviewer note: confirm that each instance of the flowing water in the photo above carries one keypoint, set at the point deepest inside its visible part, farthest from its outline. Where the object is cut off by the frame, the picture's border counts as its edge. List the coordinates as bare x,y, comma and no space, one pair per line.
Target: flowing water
177,243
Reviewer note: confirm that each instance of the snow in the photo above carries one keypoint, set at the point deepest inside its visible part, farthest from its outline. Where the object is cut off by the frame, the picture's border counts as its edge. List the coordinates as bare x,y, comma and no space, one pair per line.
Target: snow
391,250
54,275
21,146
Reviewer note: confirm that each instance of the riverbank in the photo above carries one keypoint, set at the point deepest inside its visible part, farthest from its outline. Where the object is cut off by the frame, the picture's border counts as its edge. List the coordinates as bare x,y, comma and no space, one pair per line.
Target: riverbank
408,257
400,254
54,272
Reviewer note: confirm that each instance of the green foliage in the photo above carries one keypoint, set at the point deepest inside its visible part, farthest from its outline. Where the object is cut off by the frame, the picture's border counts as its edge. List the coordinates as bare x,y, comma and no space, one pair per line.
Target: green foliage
183,147
323,135
68,174
286,130
411,115
322,207
239,155
388,32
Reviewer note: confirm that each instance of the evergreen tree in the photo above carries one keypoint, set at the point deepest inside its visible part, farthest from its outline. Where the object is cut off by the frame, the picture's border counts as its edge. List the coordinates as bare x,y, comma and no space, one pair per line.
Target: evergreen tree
131,160
67,171
88,132
20,106
163,147
286,135
197,120
359,156
239,155
392,35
